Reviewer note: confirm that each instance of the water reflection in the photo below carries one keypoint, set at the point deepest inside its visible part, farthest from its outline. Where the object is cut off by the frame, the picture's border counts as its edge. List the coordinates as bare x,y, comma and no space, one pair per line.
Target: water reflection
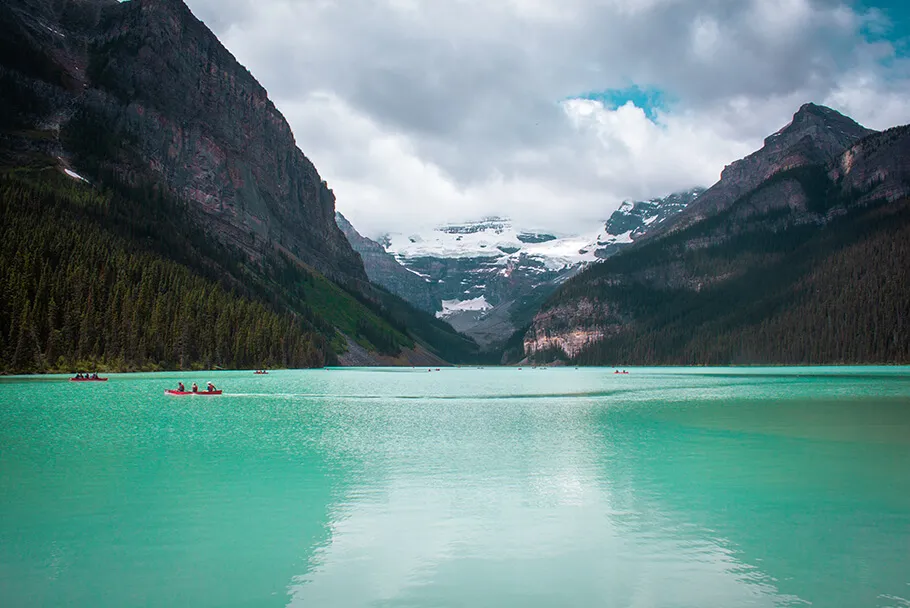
592,500
498,488
814,492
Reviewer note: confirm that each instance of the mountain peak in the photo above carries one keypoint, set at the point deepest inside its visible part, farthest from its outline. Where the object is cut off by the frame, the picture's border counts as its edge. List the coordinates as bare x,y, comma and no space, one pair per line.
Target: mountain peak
816,109
811,110
810,117
817,135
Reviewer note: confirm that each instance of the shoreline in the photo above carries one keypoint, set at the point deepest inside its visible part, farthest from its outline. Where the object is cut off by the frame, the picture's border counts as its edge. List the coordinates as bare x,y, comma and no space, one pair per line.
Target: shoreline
607,369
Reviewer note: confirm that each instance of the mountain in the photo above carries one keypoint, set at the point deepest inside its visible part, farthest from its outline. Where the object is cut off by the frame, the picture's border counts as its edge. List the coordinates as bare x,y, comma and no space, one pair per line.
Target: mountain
178,185
816,136
149,75
487,278
635,219
383,269
797,255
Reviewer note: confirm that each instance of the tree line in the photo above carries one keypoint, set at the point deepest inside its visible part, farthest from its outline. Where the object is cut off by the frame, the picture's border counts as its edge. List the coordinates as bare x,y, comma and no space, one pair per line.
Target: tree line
75,296
798,295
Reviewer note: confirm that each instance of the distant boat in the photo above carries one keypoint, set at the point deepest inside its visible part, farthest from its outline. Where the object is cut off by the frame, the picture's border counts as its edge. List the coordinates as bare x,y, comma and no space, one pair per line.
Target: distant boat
88,379
170,391
261,373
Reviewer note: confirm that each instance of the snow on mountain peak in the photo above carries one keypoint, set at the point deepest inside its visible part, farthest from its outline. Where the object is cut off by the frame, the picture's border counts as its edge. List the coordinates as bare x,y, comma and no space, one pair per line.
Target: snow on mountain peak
488,275
450,307
494,238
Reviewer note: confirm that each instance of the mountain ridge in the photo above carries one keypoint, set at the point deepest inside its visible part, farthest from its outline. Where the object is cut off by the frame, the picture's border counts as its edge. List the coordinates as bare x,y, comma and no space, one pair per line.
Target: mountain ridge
815,135
383,269
731,287
148,80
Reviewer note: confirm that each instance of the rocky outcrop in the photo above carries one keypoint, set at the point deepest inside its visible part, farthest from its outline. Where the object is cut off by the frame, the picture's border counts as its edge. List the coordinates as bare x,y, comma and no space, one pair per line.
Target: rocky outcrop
635,219
878,166
571,328
816,136
383,269
177,109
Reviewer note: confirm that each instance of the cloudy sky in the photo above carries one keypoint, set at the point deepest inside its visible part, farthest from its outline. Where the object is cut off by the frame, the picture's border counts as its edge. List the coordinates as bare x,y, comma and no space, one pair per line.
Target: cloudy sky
553,111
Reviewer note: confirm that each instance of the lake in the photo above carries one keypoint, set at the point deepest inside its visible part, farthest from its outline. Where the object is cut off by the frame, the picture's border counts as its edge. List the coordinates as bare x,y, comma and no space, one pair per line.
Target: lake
497,487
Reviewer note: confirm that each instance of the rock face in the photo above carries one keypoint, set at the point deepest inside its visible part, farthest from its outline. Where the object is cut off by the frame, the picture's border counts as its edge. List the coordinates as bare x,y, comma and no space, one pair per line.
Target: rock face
635,219
566,330
816,136
775,263
383,269
178,110
878,167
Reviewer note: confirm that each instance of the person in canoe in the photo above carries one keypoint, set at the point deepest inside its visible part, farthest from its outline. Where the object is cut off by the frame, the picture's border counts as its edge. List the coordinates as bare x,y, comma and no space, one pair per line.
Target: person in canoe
195,387
180,387
78,376
210,387
95,376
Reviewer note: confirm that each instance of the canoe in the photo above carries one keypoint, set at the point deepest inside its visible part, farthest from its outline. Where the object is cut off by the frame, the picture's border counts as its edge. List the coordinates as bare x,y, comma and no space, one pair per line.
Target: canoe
260,373
88,379
173,392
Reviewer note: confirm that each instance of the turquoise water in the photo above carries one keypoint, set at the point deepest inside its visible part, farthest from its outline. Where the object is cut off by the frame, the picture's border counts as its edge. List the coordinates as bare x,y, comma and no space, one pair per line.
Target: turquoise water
495,487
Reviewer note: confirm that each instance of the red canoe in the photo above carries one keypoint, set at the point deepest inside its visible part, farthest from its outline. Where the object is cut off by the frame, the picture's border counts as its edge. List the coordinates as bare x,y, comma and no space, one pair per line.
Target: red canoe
260,373
88,379
173,392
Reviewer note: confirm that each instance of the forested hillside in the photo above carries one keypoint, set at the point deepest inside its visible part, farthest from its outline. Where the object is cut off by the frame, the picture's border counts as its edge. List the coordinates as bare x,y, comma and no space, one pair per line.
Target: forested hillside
809,265
195,233
99,278
836,296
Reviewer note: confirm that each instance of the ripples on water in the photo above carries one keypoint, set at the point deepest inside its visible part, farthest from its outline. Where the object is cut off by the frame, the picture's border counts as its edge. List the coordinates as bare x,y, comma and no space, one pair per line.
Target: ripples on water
495,487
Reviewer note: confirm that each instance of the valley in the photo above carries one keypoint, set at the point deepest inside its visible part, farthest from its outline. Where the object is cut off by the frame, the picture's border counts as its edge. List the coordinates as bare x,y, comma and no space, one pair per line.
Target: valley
487,278
132,125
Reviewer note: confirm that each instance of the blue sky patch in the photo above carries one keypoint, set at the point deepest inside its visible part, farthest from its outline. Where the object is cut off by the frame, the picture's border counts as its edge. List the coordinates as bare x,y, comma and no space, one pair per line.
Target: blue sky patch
897,31
648,99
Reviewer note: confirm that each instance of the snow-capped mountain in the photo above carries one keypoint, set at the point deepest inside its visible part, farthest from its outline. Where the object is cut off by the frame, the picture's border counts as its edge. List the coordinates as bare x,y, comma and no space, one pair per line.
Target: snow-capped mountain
634,219
492,238
488,278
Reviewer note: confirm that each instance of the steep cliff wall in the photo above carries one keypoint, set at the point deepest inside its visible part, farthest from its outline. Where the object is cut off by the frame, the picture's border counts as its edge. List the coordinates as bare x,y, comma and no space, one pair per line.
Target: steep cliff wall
146,93
383,269
816,136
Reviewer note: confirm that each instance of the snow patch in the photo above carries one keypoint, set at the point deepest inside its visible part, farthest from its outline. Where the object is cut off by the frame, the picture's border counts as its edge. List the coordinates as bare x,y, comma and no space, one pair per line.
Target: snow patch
625,237
425,277
493,239
54,31
608,239
75,175
450,307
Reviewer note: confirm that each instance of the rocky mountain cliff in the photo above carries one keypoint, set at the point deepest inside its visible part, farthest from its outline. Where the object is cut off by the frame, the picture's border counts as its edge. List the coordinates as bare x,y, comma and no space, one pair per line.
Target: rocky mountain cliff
168,170
143,92
806,264
635,219
816,136
383,269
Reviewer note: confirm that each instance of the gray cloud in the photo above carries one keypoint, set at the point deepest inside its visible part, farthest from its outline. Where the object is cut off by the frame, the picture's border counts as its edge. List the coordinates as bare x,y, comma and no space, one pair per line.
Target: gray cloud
419,111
